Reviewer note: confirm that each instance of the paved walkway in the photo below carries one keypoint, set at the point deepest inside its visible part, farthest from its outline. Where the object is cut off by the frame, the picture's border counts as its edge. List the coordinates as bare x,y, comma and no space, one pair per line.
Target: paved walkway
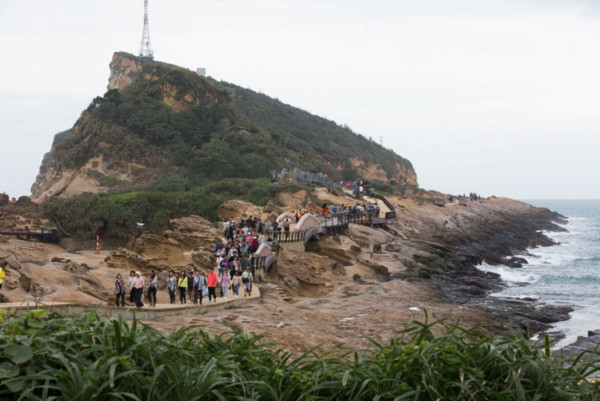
143,313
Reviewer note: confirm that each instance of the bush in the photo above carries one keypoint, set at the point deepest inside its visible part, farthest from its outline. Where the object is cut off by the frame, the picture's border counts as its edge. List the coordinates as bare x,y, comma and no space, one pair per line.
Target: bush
114,215
86,357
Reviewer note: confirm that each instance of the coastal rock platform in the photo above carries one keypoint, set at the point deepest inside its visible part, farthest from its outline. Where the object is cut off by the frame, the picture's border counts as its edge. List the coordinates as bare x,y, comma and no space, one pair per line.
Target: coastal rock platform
365,283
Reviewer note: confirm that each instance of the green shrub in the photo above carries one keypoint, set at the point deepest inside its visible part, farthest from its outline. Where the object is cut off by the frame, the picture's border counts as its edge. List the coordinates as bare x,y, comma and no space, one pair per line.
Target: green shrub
115,214
86,357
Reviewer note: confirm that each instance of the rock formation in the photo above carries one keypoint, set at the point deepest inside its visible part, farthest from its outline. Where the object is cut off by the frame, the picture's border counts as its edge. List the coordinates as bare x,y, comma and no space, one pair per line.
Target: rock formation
117,144
125,68
189,244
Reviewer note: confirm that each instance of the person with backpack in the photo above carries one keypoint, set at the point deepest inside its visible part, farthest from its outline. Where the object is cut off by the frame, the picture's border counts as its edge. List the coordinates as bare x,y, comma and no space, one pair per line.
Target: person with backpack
247,281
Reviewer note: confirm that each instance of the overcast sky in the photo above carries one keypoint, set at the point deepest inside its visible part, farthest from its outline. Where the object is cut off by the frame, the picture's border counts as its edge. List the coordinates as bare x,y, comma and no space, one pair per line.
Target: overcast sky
496,97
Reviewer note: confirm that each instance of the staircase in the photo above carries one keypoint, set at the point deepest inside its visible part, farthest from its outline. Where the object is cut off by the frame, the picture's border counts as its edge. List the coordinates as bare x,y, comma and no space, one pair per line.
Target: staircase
282,293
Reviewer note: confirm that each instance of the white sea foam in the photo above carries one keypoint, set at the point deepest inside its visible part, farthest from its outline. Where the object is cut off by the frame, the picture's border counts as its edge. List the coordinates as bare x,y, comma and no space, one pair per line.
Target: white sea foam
510,275
567,274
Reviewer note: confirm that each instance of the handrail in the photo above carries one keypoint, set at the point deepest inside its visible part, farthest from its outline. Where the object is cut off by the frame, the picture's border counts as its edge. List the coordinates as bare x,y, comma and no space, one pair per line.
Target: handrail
44,235
289,236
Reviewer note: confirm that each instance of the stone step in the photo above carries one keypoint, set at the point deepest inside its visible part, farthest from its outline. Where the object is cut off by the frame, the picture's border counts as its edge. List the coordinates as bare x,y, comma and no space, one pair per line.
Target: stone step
283,294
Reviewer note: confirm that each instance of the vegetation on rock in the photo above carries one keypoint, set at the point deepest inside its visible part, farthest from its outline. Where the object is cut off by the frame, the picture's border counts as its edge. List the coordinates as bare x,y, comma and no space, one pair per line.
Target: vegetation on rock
115,214
183,128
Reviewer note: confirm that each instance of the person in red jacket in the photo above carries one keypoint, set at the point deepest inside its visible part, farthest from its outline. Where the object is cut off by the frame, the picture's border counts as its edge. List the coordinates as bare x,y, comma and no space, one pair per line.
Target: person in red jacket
211,283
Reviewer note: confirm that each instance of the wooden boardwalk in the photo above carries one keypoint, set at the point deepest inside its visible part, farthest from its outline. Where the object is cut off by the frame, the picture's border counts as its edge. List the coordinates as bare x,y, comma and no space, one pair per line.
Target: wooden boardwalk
45,235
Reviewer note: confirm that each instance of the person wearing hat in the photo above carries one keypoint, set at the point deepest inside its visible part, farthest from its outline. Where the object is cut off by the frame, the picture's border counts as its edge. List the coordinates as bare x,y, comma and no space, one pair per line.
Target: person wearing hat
138,287
247,281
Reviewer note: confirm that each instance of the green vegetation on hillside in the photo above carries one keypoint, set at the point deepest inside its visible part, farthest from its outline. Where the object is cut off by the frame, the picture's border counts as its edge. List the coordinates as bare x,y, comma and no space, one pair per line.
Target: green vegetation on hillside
218,131
84,357
115,214
311,142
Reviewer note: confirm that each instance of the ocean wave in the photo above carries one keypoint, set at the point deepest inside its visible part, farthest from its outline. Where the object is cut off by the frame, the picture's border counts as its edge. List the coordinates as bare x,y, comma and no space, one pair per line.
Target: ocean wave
510,275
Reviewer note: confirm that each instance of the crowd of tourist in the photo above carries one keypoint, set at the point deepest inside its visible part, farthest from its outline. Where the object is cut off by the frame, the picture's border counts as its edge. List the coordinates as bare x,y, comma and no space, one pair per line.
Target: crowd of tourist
234,267
472,196
234,271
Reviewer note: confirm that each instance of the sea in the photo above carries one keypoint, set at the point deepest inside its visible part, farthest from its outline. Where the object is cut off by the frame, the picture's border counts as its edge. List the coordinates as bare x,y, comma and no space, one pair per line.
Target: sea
564,274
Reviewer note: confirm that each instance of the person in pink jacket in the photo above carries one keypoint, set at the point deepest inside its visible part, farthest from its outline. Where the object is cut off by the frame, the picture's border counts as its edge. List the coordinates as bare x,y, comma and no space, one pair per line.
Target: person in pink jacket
138,287
224,284
236,283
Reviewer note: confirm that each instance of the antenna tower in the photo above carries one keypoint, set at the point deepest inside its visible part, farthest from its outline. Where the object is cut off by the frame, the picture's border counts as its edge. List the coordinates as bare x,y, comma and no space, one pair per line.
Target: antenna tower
145,49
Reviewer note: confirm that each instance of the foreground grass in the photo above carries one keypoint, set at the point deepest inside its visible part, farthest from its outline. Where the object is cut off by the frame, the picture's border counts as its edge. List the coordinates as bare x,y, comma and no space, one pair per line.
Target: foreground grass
84,357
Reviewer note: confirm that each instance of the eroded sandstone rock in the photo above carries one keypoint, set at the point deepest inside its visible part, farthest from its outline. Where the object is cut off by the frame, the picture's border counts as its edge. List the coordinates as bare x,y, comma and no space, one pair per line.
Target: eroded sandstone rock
76,268
236,209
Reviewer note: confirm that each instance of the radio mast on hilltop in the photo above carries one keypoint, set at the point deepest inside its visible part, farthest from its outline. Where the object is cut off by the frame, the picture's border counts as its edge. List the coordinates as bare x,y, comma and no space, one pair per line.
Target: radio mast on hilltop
145,49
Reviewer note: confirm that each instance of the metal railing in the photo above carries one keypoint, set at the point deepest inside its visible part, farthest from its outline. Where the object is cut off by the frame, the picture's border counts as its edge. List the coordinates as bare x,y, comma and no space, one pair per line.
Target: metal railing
44,235
289,236
263,262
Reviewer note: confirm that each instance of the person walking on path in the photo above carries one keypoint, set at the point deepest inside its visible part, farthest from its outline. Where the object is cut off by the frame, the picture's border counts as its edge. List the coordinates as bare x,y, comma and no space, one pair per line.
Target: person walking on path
212,279
190,286
119,290
152,289
247,281
236,265
182,282
130,286
224,284
138,286
172,286
198,287
236,282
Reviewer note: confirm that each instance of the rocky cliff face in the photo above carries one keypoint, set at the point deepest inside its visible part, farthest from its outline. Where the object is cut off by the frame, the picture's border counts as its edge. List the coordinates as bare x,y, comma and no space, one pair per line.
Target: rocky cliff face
125,68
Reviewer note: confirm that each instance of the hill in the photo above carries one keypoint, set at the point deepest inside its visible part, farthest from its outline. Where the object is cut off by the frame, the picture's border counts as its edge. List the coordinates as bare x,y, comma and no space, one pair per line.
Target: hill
162,127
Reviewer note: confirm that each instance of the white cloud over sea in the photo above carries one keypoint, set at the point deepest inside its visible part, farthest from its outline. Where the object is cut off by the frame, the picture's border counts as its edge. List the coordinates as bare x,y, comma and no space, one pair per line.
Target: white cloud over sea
497,97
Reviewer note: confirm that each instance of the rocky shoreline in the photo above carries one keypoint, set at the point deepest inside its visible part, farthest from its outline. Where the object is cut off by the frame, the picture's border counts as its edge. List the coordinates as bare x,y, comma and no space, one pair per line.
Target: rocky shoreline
493,239
497,244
